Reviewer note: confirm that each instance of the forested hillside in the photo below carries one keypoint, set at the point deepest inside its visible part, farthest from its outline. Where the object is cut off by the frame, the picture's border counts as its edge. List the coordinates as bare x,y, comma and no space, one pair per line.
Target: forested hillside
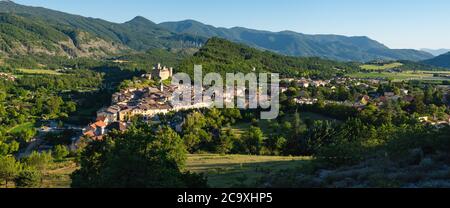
440,61
334,47
137,34
23,35
142,34
222,56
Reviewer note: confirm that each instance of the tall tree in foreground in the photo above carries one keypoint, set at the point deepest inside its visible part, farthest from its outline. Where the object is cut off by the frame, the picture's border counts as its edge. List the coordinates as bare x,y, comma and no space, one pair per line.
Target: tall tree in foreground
9,168
138,158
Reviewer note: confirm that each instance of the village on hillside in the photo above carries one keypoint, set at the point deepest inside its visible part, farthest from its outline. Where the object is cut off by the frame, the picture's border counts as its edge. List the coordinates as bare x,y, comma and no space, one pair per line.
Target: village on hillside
149,102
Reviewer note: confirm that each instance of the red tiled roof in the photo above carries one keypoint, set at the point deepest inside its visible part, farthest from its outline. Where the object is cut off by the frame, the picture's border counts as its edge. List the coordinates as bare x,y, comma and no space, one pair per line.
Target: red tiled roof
89,134
100,124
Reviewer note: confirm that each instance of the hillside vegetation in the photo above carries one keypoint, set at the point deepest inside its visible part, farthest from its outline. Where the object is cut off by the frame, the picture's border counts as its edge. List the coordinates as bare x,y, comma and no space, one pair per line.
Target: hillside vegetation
22,35
57,33
141,34
290,43
222,56
440,61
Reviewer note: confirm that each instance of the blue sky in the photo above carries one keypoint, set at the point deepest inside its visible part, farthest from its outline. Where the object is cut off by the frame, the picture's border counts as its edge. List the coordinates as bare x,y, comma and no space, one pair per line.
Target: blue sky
396,23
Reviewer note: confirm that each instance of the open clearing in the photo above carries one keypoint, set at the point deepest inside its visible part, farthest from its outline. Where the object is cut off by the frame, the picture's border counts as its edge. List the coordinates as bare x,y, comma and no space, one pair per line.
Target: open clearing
221,170
39,71
381,67
58,175
224,171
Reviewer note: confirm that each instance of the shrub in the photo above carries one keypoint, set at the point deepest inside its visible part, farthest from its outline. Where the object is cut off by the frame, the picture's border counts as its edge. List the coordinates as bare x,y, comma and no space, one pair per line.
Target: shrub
60,152
28,178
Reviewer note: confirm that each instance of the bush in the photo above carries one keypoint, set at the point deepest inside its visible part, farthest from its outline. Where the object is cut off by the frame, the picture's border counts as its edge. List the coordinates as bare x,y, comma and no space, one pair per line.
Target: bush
60,152
338,154
28,178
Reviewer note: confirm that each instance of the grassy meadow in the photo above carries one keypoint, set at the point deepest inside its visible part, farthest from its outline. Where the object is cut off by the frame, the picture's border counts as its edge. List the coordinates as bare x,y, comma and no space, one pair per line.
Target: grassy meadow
221,170
39,71
402,76
383,67
225,171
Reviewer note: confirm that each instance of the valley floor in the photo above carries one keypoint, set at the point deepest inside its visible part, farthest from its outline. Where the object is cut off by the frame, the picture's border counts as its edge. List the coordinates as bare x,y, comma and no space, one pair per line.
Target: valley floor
223,171
226,171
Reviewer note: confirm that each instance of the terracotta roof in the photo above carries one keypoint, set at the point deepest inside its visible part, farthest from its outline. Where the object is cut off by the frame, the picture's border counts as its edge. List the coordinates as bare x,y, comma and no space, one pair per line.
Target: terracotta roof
89,134
100,124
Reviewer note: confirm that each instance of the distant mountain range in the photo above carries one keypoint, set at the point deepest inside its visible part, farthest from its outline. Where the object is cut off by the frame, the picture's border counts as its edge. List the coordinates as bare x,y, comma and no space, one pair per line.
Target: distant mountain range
296,44
440,61
436,52
26,29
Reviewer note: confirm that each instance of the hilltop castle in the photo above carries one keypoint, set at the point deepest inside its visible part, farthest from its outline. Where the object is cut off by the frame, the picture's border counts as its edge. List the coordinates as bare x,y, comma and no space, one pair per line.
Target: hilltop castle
160,72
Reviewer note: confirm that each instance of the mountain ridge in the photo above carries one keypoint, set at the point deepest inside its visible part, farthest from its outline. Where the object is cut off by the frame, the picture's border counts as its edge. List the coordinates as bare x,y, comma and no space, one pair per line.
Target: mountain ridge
436,52
440,61
138,34
338,47
22,36
141,34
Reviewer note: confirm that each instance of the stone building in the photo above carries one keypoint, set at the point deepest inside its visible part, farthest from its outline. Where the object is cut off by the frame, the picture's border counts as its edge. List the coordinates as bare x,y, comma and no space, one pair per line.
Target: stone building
162,72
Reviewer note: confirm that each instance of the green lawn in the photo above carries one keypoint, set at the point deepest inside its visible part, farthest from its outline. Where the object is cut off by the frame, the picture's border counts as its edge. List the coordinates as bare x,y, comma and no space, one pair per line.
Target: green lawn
224,171
380,67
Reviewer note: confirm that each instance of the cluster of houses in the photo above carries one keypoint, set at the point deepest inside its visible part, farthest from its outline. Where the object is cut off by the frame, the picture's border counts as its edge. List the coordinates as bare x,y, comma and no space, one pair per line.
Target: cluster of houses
147,102
7,77
363,100
150,102
305,83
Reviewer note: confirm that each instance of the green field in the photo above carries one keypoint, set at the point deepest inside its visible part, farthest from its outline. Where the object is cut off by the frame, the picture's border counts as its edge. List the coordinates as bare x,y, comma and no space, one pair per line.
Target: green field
380,67
39,71
224,171
221,170
402,76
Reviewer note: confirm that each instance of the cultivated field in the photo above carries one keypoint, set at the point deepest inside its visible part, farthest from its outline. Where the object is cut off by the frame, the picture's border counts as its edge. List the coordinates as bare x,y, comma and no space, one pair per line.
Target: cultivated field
403,76
380,67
